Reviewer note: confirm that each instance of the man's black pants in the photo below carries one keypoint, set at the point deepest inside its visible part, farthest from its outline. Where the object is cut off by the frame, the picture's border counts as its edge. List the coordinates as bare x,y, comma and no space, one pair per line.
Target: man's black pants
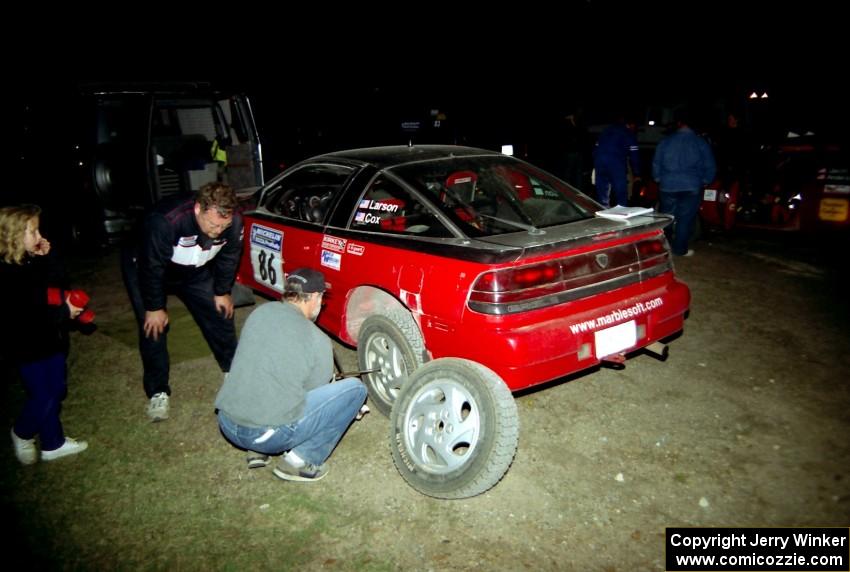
197,294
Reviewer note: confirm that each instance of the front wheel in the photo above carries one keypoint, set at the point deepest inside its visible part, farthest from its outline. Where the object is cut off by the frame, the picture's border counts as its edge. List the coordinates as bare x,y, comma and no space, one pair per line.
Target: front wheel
454,429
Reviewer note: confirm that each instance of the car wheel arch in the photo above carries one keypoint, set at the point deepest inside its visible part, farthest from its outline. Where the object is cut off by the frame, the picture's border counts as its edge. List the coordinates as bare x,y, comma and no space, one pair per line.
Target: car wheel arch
389,343
364,301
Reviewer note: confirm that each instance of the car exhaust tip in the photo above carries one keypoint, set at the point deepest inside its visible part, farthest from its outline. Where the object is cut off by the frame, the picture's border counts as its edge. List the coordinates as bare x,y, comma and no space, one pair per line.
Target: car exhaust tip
614,361
658,350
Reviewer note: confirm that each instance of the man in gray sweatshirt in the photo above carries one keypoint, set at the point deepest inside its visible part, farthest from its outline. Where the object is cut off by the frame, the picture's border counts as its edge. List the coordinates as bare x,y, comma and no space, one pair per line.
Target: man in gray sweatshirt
277,397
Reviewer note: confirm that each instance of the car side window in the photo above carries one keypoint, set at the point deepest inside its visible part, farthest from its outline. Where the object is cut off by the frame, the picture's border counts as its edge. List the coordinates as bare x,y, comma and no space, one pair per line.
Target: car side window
306,194
387,207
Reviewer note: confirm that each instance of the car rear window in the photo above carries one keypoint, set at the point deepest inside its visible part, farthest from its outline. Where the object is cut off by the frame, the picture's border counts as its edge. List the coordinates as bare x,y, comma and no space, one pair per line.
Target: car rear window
493,195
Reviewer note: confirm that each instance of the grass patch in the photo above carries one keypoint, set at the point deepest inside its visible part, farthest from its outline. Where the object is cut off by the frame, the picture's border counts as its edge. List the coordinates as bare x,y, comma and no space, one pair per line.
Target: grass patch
185,341
166,496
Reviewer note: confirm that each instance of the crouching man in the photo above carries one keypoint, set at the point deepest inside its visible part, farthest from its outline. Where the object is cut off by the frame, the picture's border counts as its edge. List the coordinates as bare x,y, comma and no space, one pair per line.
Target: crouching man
277,397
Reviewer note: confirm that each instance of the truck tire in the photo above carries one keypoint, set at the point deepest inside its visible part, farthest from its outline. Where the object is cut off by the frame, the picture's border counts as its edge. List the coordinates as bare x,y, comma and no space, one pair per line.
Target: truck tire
390,341
453,429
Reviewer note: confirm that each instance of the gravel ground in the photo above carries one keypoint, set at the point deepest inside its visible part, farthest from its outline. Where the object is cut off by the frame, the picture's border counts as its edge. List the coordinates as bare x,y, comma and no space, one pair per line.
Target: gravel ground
744,425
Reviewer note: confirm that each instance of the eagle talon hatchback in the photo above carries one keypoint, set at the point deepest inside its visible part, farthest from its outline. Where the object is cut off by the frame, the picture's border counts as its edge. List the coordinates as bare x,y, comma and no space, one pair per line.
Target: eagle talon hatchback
462,275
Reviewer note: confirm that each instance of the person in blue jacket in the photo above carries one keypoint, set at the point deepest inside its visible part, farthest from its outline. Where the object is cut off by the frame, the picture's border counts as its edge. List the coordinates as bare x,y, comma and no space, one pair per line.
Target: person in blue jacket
617,144
683,165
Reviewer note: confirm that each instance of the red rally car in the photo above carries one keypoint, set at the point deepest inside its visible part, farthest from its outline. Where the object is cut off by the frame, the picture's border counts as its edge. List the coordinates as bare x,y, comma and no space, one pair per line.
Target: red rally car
462,275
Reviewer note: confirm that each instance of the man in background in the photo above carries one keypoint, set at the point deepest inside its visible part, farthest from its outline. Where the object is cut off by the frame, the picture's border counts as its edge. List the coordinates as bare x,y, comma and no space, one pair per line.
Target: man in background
683,165
617,145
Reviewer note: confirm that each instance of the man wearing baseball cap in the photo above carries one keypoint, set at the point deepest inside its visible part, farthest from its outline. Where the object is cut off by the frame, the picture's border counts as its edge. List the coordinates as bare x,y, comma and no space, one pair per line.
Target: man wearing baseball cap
277,398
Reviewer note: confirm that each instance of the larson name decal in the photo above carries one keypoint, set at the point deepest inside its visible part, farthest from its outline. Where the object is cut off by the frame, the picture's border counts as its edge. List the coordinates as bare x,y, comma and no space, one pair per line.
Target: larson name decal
367,204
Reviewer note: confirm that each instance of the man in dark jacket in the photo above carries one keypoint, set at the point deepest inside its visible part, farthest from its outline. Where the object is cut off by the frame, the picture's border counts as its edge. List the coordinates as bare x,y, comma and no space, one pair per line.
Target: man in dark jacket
683,165
190,247
617,144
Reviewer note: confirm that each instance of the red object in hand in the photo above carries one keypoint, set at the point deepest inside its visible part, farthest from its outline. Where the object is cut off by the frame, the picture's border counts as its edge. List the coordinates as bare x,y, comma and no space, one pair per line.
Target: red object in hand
86,317
78,298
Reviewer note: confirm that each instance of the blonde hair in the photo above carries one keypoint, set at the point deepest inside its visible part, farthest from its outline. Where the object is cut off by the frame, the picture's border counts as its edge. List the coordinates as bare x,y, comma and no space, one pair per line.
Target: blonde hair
13,225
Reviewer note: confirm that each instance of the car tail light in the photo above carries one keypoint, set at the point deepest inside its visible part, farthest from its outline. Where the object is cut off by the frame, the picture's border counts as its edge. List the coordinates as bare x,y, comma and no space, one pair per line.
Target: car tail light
654,252
523,288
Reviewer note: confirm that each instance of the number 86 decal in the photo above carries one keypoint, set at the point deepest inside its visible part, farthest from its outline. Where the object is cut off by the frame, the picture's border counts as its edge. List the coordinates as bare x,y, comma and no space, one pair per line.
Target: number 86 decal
266,267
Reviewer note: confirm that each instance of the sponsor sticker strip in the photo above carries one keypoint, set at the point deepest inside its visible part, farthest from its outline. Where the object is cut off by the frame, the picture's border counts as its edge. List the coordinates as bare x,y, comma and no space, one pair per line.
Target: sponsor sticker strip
616,316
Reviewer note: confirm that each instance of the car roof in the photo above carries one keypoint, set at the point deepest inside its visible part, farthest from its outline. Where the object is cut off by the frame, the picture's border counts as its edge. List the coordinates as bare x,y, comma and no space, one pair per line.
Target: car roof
383,157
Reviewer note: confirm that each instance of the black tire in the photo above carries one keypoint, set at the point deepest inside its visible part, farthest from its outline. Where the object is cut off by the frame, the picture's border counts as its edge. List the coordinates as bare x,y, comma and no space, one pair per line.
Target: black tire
390,341
242,295
453,429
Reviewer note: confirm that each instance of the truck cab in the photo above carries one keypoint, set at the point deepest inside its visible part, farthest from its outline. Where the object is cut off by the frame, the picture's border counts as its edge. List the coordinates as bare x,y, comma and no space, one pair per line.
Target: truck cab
97,156
151,142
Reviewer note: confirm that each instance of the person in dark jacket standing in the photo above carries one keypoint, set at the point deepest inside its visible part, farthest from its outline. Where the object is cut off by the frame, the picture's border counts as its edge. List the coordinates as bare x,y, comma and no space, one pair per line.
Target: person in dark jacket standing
683,164
34,335
189,247
616,146
575,144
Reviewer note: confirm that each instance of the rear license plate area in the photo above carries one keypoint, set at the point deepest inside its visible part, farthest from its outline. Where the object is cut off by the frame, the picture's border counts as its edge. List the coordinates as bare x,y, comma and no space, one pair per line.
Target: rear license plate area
615,339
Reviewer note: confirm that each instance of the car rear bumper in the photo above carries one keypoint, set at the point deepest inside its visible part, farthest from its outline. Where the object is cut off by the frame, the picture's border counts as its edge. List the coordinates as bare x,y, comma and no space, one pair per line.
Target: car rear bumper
554,343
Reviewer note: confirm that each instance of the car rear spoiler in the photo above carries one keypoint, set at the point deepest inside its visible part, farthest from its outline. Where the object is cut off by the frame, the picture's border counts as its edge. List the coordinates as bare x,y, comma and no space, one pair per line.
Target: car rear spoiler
579,233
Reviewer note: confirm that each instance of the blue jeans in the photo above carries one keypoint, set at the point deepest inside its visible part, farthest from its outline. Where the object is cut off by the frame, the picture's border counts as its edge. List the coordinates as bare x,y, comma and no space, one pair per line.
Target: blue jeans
45,386
328,411
684,206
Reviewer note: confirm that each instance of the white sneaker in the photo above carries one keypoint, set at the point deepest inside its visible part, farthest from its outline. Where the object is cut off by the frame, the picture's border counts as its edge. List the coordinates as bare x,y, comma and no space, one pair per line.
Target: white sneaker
69,447
25,449
363,411
158,407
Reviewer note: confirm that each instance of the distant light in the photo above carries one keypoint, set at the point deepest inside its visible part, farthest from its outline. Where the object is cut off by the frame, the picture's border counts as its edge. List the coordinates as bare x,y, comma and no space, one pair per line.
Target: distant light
764,95
508,150
797,197
754,95
651,122
80,163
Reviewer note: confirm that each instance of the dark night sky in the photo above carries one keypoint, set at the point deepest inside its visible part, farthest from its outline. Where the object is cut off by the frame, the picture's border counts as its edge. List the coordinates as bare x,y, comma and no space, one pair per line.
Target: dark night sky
493,68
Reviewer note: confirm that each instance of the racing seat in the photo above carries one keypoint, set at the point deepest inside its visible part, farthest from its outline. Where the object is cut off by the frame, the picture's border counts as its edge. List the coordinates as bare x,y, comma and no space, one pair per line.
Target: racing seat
463,184
395,220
